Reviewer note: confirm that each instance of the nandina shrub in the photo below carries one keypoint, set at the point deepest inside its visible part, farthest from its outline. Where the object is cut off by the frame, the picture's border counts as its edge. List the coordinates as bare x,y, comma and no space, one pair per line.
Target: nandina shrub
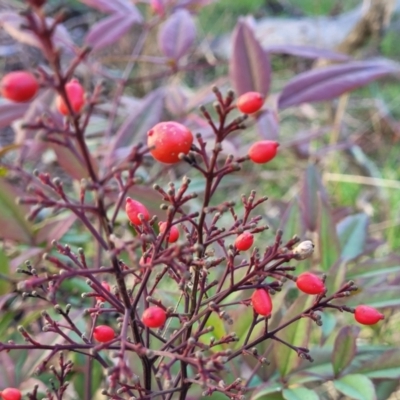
109,304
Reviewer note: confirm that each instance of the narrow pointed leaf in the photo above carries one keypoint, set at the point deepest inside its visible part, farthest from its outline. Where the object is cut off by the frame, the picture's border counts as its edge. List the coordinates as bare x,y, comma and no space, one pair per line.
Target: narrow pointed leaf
352,232
9,112
12,216
329,248
371,268
177,34
356,386
378,297
296,334
306,52
330,82
345,348
291,221
249,67
109,30
142,118
268,125
385,366
5,271
309,197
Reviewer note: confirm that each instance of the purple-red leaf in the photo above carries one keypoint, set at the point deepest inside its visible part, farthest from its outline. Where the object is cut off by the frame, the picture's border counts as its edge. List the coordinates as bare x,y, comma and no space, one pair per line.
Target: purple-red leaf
109,30
268,124
141,119
306,52
107,6
330,82
345,348
9,112
249,67
177,34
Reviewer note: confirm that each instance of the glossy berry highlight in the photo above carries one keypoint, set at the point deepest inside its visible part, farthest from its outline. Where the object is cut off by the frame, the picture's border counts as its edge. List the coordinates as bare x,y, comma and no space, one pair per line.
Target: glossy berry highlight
19,86
103,333
310,283
250,102
11,394
133,208
168,140
173,232
244,241
154,317
106,286
367,315
263,151
76,97
261,302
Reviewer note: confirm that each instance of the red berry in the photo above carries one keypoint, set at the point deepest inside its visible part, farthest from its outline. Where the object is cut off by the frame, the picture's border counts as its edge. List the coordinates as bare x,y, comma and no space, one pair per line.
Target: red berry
250,102
173,232
367,315
11,394
244,241
154,317
310,283
262,303
157,7
19,86
106,286
169,139
263,151
103,333
133,208
76,97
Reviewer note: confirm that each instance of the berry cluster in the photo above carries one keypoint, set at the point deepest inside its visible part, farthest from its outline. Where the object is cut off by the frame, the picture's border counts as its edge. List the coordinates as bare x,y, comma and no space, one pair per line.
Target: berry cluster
179,249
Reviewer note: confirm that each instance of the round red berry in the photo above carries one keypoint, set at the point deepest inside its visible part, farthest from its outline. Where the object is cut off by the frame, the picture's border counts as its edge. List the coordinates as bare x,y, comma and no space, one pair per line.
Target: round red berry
11,394
250,102
103,333
157,7
244,241
133,208
173,232
19,86
310,283
154,317
367,315
168,140
106,286
262,303
263,151
76,97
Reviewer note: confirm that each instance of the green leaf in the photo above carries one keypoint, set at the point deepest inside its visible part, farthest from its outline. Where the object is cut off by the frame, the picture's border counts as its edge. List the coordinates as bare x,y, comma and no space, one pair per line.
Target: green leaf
12,216
291,221
345,348
296,334
329,248
309,197
352,232
385,366
356,386
371,268
5,271
385,388
271,392
218,332
379,297
328,324
299,394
